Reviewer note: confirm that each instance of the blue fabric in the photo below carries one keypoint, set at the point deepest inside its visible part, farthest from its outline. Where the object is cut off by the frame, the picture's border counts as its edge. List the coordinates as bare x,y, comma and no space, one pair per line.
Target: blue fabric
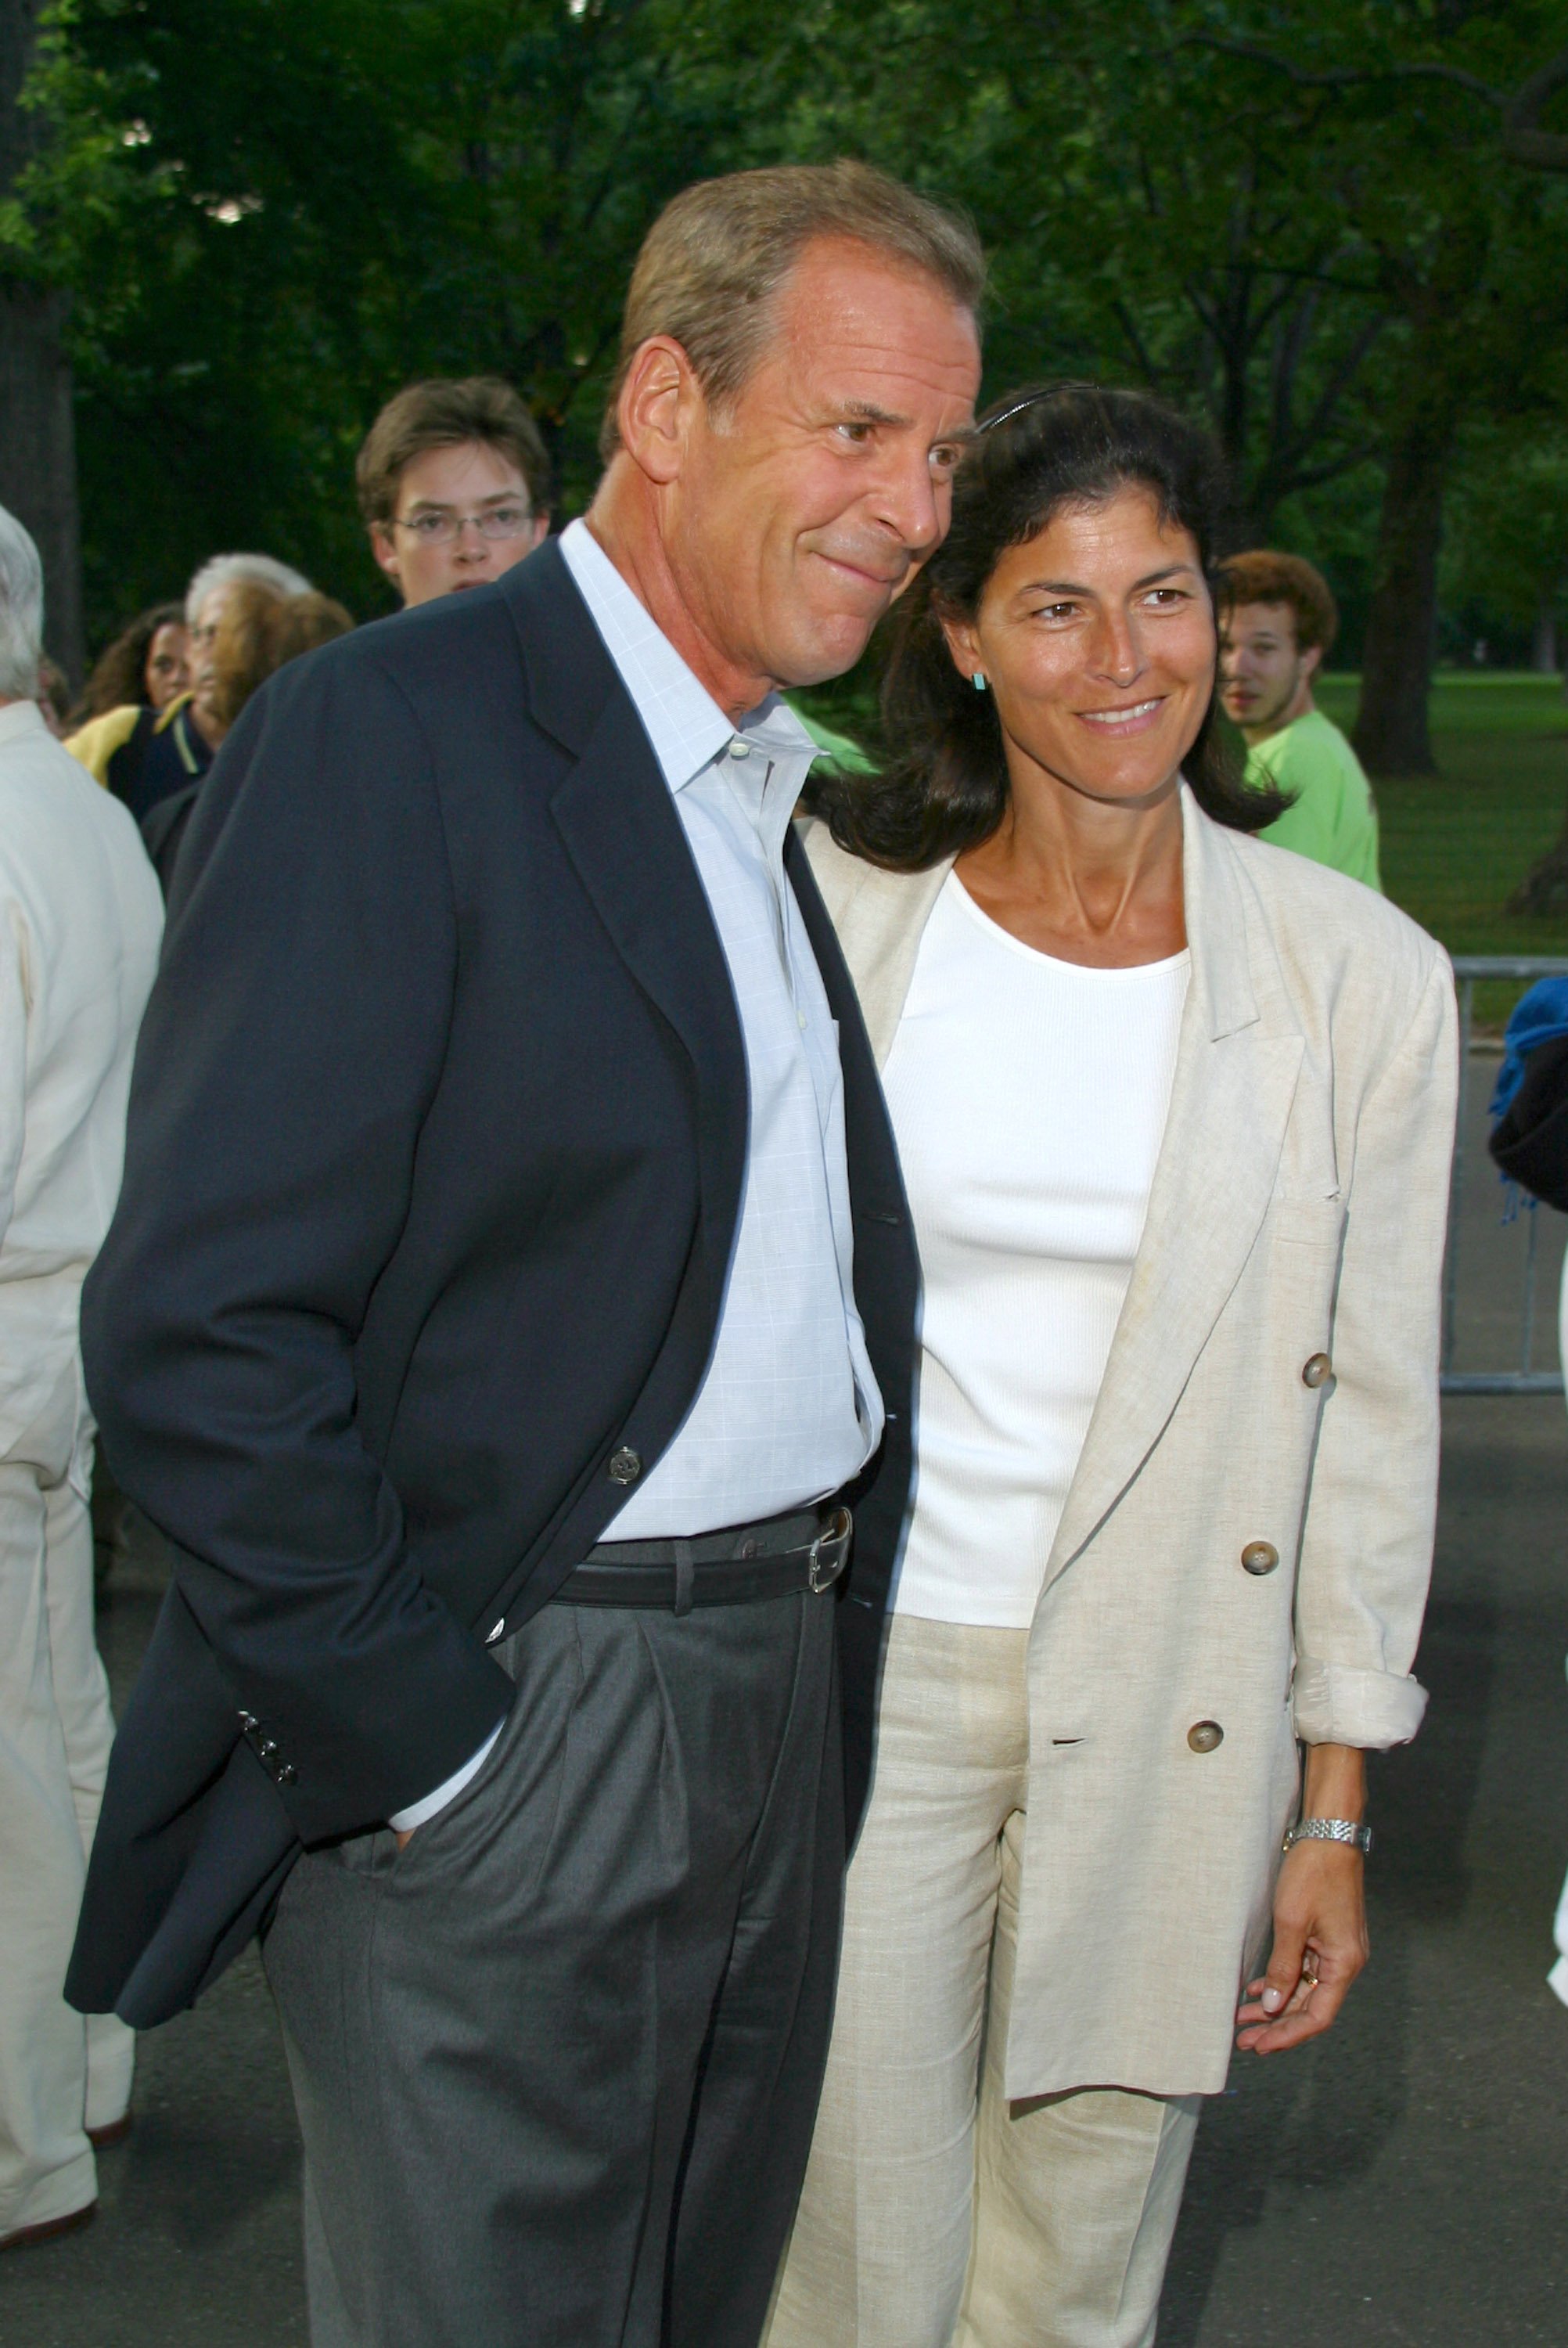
1537,1017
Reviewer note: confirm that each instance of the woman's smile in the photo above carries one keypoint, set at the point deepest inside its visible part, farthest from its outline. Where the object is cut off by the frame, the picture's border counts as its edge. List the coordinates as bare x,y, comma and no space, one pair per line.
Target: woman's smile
1136,718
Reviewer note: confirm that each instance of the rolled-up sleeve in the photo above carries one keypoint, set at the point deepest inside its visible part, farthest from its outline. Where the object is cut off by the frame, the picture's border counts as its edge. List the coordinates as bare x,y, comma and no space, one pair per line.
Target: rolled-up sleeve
1367,1549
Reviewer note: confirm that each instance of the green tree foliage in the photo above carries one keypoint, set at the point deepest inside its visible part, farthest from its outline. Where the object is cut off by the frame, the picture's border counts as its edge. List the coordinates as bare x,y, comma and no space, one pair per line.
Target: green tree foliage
313,201
1506,544
1327,230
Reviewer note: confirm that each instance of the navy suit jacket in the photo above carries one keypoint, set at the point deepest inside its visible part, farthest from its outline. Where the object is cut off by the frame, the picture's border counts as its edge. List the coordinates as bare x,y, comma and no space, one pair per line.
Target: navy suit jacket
435,1151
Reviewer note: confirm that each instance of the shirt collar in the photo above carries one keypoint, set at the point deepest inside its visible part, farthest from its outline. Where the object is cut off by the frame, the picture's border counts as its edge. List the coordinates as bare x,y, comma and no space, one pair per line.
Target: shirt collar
684,724
19,717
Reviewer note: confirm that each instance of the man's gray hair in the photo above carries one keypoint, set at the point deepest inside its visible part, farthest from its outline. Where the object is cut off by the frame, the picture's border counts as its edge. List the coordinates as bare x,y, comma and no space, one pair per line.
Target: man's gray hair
715,261
223,570
21,612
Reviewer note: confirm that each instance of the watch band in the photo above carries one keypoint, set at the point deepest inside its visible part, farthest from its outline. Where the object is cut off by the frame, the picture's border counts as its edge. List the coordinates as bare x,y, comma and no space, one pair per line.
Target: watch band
1330,1830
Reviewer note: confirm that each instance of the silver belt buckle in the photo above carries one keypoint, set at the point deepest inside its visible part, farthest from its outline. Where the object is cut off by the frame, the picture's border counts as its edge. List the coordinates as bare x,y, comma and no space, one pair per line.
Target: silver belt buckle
826,1557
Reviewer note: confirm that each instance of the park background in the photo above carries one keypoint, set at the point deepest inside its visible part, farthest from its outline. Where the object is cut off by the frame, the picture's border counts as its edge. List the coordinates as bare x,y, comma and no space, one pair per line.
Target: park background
1338,233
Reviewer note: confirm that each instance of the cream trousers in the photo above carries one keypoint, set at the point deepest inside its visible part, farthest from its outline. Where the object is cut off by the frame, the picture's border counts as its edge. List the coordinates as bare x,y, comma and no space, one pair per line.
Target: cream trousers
935,2213
59,2074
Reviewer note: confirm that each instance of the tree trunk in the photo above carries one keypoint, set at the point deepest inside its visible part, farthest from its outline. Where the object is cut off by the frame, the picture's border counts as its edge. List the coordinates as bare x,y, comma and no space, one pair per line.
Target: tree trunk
37,430
1391,734
1543,650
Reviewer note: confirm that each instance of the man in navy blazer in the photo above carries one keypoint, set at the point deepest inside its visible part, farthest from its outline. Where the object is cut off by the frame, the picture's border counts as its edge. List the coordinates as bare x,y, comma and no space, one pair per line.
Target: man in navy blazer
510,1288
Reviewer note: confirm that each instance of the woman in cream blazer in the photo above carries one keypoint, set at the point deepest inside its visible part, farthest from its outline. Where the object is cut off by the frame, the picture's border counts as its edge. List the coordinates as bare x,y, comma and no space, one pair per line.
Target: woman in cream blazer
1070,1869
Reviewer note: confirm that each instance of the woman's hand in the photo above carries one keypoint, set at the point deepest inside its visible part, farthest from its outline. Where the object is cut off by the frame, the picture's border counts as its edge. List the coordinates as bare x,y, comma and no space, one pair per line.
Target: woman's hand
1319,1917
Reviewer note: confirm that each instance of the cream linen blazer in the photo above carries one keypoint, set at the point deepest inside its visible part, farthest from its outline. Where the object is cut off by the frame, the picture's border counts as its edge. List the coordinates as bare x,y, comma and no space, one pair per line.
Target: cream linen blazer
1298,1209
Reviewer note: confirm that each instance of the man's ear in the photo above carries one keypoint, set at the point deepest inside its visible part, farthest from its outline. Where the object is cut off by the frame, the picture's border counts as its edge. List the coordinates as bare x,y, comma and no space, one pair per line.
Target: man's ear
1311,662
384,547
659,402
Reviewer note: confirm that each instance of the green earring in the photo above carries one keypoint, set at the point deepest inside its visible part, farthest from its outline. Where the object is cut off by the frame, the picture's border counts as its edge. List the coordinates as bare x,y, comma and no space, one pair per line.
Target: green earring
979,680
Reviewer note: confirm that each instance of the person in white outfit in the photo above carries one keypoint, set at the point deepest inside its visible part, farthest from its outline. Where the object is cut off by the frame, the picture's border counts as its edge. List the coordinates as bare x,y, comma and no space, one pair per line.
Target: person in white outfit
80,920
1173,1112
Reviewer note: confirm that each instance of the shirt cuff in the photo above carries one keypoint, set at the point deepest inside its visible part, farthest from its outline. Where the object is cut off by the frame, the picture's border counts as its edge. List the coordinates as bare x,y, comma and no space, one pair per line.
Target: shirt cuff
418,1812
1337,1704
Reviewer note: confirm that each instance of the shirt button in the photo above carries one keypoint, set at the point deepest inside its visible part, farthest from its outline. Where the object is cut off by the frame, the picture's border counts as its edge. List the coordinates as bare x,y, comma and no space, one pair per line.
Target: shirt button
1316,1370
739,749
1260,1557
1205,1734
801,1016
625,1467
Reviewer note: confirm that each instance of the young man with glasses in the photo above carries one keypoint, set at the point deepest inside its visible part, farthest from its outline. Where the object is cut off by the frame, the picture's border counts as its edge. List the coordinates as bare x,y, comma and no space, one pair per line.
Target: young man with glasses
454,483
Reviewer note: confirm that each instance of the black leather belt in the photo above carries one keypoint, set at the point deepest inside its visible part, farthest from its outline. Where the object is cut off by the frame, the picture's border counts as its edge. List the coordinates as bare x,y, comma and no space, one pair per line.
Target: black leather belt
803,1550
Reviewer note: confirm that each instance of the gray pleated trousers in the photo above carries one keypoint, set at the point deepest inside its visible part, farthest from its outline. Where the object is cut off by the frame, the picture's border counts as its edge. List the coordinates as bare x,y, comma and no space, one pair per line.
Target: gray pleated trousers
556,2063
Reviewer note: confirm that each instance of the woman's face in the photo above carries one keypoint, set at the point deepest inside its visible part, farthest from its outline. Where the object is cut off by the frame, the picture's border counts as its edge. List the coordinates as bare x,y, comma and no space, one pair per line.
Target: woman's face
164,677
1098,640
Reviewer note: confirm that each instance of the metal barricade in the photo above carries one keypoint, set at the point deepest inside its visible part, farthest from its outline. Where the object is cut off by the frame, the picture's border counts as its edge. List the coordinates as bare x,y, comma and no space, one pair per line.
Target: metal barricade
1468,970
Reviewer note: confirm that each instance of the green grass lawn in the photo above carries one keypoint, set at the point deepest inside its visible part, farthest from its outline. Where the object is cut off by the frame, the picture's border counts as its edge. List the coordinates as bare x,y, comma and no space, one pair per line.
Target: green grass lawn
1505,701
1453,850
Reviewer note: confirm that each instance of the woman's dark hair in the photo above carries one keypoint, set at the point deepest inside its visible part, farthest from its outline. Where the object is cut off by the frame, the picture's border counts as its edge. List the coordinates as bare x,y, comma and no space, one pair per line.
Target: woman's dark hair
944,786
119,673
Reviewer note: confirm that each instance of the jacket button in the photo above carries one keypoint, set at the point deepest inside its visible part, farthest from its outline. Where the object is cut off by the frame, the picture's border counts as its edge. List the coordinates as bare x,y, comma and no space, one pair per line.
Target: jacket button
1205,1734
267,1747
285,1773
1316,1370
1260,1557
625,1467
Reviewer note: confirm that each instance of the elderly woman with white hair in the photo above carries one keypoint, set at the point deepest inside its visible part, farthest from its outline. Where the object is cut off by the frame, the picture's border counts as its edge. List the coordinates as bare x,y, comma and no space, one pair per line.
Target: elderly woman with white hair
145,755
79,926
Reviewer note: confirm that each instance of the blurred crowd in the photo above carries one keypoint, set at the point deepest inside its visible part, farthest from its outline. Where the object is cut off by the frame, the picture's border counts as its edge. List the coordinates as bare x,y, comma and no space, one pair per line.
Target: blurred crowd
454,484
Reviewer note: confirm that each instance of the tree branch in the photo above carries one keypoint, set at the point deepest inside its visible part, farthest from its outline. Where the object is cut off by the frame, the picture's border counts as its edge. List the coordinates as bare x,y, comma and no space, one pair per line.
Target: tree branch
1519,110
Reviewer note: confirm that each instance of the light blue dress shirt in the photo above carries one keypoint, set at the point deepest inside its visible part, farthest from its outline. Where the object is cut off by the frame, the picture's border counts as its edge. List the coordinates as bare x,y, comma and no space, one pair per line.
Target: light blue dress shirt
789,1409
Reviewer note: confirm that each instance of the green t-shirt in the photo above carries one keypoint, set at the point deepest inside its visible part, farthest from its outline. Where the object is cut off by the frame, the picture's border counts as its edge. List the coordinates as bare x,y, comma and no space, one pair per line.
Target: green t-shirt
1335,818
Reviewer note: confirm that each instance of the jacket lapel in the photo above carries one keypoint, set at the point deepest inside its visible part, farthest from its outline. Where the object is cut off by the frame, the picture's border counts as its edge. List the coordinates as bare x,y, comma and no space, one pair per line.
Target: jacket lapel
1234,1082
619,825
879,918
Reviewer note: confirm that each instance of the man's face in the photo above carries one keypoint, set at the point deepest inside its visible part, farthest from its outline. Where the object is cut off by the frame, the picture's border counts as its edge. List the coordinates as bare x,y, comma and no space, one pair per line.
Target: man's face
464,516
802,511
1265,679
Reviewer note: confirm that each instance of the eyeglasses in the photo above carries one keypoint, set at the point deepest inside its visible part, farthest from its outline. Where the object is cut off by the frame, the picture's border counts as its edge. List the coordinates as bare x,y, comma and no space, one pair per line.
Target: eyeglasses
441,527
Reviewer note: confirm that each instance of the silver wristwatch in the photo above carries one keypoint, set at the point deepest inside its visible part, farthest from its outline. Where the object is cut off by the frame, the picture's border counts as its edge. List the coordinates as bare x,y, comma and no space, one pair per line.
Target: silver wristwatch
1330,1830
